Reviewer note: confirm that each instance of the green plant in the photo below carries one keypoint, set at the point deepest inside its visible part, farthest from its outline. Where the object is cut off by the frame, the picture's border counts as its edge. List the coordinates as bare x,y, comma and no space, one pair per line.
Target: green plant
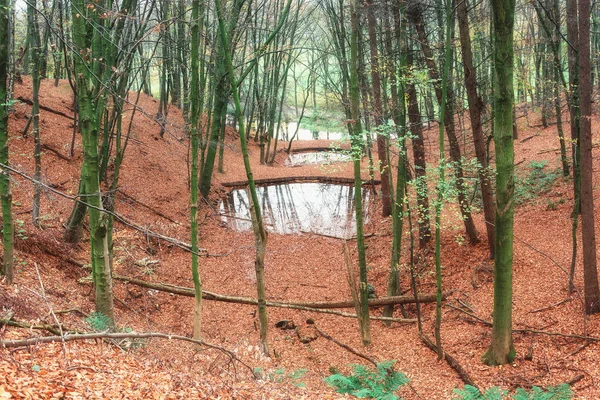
98,322
279,376
20,230
560,392
379,383
536,182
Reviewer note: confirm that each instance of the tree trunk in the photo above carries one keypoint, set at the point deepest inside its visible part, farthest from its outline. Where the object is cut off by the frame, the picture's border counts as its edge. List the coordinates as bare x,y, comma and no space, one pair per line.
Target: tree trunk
356,141
573,53
588,233
501,350
196,28
415,10
260,234
90,171
6,267
475,110
36,59
377,112
420,163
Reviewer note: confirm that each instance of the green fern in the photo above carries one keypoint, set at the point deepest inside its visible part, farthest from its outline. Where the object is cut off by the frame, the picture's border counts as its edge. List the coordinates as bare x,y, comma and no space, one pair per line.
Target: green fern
560,392
98,321
379,383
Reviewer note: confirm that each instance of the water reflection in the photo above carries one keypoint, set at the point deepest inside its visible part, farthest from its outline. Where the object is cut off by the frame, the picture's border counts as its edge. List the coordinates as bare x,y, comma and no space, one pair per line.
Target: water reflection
306,134
322,208
316,157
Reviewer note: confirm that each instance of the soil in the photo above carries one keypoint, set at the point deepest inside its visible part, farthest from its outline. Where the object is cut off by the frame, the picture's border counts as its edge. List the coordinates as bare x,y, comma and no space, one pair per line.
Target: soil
302,267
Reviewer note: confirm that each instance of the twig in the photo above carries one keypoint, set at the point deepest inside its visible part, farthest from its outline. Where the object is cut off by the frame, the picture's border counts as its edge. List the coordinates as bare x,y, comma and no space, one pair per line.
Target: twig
344,346
532,331
550,306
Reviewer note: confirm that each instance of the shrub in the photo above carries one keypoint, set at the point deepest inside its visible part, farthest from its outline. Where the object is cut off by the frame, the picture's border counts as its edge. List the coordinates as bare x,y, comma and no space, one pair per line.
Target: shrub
379,383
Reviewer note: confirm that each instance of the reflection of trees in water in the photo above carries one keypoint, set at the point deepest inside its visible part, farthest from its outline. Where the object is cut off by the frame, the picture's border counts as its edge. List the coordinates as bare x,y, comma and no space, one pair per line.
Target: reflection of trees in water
290,208
318,157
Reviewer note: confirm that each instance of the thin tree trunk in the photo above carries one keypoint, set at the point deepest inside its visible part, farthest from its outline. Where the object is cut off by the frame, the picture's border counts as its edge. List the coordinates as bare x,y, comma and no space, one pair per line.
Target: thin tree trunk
260,234
197,30
377,112
415,10
6,267
357,144
475,110
501,350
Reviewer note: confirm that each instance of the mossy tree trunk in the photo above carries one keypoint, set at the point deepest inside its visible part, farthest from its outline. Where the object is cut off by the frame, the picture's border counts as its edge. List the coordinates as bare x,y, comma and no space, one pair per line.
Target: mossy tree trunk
197,23
6,268
260,234
357,145
87,72
501,350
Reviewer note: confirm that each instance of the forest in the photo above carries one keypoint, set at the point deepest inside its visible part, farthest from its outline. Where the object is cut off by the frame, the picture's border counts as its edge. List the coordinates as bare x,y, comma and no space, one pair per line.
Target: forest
299,199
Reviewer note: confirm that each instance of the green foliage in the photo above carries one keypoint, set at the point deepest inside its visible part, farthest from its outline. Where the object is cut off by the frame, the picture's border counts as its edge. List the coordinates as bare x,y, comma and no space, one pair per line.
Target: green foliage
98,322
537,181
379,383
560,392
279,376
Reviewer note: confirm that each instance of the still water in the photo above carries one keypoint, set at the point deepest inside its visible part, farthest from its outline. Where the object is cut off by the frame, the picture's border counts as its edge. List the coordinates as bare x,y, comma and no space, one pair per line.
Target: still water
315,157
322,208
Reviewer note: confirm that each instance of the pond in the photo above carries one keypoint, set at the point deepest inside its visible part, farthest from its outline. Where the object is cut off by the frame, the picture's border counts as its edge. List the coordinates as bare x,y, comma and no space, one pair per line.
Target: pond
322,208
307,134
316,157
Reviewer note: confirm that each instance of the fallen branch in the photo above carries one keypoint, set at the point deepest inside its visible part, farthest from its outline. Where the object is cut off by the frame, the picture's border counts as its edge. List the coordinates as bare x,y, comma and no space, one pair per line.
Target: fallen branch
550,306
154,210
189,292
62,114
464,375
291,179
342,345
42,327
117,335
56,152
527,330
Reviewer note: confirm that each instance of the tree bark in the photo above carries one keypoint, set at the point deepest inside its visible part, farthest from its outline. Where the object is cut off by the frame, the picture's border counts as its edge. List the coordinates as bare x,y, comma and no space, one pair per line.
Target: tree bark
6,267
377,112
414,12
588,233
475,110
356,142
501,350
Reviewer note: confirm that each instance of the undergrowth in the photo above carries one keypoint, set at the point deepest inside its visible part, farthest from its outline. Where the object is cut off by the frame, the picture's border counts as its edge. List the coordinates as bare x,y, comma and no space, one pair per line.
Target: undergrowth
560,392
379,383
280,376
536,182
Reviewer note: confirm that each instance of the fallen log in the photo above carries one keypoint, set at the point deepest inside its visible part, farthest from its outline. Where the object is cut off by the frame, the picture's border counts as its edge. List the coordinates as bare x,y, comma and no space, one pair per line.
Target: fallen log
462,373
42,107
189,292
318,149
291,179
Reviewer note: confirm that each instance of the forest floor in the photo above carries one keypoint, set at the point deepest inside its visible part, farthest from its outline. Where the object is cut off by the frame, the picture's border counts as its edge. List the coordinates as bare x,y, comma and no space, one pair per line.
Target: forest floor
50,279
